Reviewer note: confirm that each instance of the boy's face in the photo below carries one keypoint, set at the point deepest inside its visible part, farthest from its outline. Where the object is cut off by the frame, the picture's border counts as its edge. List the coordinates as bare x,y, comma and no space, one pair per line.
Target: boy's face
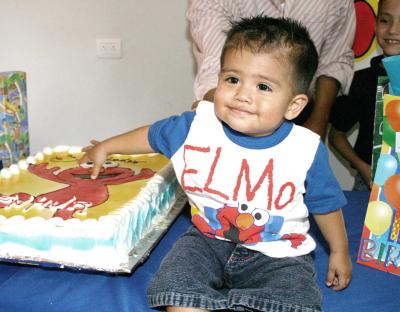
255,92
387,27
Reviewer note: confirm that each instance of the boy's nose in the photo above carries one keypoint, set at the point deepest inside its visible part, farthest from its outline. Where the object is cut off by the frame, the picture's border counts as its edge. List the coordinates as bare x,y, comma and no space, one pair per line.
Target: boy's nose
243,94
395,27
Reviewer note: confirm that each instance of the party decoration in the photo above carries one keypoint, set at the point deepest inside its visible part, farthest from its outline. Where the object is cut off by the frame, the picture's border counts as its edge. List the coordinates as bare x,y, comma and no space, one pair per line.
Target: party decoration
388,165
389,136
14,142
392,112
378,218
380,239
364,41
378,124
392,64
374,192
392,193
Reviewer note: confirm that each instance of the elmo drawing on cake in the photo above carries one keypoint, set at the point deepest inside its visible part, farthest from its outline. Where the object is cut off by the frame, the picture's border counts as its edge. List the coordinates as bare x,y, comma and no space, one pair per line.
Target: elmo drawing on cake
81,193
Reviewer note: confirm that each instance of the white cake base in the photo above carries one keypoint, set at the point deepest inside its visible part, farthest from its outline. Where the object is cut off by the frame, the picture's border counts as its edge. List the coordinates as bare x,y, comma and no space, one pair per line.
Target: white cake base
100,258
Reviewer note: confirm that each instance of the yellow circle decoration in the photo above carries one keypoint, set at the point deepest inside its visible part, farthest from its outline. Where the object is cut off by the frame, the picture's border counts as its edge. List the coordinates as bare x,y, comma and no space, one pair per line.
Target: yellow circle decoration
378,218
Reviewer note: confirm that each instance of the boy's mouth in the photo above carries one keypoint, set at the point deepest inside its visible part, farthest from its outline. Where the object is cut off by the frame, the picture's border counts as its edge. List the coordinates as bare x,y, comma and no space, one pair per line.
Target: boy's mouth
240,111
392,41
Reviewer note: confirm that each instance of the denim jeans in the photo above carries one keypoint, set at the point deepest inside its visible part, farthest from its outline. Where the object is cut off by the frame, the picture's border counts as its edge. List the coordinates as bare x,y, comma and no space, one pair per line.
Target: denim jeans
208,273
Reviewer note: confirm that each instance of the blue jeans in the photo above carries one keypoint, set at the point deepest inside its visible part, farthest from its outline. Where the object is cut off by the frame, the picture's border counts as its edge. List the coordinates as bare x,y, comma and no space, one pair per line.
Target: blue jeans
208,273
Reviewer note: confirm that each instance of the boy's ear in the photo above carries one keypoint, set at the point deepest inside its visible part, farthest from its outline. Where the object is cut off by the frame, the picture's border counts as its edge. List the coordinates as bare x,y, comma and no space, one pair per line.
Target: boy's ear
296,106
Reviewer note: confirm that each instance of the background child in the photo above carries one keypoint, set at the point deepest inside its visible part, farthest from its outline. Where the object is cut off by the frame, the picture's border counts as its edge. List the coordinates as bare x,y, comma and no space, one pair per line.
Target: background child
250,181
359,105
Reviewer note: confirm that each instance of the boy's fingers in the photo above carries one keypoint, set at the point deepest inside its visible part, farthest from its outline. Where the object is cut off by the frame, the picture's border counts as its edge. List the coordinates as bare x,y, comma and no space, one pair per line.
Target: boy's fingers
329,281
91,156
86,148
343,282
95,171
93,143
83,159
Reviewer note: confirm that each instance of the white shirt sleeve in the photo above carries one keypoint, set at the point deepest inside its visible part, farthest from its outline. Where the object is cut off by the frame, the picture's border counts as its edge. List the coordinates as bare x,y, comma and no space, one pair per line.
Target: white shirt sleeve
208,23
336,57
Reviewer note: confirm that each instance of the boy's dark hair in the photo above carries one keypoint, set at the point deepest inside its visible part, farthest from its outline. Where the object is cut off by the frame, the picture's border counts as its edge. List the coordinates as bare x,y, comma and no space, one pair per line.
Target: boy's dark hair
266,34
380,3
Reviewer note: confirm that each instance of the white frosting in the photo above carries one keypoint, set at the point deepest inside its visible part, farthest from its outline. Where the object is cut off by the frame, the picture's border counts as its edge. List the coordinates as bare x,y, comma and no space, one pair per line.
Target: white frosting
61,149
39,156
34,222
48,151
56,221
74,150
14,220
23,164
31,160
14,169
5,173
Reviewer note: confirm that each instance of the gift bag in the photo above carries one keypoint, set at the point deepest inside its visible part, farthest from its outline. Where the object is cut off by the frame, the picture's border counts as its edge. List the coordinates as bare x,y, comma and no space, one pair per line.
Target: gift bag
382,87
380,241
14,139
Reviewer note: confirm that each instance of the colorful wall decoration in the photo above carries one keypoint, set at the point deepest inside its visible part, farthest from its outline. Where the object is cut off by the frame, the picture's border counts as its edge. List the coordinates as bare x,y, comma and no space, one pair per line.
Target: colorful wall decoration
365,46
364,42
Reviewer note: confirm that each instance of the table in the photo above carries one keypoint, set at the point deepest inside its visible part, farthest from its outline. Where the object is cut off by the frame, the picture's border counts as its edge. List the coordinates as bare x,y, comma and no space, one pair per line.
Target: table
26,288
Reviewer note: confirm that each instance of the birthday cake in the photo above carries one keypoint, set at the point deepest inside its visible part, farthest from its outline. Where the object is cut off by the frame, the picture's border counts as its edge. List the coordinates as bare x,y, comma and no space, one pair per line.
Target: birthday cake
52,213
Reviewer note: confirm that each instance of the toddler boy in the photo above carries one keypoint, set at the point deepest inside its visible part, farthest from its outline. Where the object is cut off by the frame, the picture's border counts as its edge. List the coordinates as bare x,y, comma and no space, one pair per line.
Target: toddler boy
252,178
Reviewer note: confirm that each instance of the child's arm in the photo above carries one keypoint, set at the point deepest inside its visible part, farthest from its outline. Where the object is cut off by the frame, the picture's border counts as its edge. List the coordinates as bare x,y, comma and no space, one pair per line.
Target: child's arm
340,142
339,267
132,142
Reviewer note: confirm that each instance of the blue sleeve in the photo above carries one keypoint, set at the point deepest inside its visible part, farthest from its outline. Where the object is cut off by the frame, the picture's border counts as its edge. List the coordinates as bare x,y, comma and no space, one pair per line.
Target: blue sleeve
167,135
323,192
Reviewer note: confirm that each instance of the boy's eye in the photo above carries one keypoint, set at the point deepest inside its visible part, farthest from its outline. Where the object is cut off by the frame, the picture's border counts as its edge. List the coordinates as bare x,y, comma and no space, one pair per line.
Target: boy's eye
232,80
264,87
384,19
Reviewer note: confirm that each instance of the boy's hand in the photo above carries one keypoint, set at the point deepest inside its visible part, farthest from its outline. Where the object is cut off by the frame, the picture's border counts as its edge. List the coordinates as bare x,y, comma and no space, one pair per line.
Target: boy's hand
95,153
339,271
333,229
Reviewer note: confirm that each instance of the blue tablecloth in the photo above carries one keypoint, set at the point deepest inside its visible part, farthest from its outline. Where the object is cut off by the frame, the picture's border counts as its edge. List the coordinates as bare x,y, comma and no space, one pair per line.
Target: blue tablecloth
26,288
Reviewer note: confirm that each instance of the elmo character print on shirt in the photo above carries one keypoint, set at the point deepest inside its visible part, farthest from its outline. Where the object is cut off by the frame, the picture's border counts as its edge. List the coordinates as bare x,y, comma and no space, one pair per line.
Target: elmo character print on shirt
244,225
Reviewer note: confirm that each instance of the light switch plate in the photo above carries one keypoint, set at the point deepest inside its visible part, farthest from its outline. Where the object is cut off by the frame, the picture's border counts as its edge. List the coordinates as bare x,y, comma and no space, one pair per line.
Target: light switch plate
108,48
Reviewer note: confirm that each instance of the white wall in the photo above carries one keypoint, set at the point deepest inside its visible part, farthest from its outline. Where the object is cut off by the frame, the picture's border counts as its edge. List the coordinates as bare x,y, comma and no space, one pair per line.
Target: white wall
73,96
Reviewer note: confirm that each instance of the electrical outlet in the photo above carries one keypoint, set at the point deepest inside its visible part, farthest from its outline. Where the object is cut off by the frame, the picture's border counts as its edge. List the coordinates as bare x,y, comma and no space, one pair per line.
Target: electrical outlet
109,48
